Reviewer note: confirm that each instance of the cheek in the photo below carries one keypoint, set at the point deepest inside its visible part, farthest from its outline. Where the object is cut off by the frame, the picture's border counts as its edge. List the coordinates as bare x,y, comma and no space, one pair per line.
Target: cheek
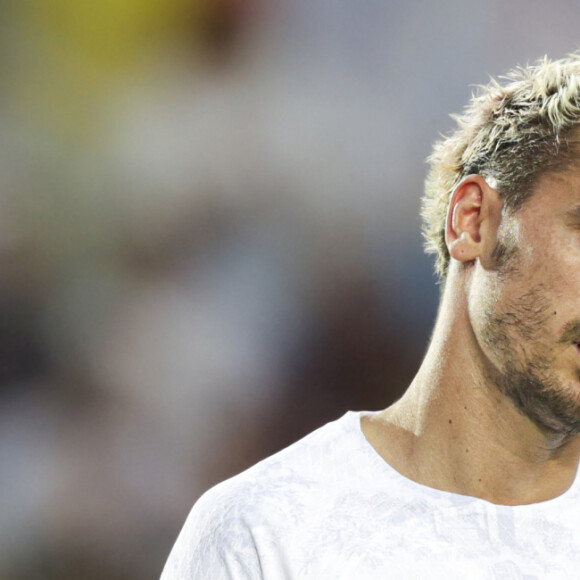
515,318
554,258
486,314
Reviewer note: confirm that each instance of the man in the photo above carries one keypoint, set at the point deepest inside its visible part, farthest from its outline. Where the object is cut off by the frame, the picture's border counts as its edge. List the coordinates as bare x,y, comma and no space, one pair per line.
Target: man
472,473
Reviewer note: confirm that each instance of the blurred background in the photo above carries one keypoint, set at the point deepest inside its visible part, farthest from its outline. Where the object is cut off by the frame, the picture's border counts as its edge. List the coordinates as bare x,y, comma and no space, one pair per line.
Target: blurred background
210,244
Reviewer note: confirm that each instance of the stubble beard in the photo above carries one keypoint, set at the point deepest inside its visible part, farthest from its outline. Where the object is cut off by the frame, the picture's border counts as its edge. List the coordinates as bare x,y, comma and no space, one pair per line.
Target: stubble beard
543,400
527,376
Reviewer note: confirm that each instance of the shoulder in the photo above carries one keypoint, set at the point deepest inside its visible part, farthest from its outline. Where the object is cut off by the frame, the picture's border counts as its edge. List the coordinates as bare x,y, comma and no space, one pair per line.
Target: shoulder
288,476
226,529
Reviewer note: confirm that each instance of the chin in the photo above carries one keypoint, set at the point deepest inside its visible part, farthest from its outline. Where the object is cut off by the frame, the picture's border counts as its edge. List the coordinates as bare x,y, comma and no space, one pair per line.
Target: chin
552,404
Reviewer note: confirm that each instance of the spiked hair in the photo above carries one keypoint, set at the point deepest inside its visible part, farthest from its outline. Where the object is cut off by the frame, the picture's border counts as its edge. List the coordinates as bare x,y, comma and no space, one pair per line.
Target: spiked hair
512,132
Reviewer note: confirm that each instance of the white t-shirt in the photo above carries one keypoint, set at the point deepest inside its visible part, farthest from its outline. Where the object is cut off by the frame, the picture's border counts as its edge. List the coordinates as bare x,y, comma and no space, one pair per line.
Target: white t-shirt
330,507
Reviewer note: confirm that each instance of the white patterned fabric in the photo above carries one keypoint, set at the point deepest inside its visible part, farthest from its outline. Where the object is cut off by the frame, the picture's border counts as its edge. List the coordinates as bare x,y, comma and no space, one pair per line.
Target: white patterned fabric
329,507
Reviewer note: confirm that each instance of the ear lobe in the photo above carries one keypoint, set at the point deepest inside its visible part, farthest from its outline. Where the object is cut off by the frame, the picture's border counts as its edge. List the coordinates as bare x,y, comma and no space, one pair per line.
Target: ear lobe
464,219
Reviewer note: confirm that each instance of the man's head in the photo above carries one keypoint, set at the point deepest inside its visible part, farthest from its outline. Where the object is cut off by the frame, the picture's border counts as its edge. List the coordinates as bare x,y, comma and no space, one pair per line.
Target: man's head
510,134
518,308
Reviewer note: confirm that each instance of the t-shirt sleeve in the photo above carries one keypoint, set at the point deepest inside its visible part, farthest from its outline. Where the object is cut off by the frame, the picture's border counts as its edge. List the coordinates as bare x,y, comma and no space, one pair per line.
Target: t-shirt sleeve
216,541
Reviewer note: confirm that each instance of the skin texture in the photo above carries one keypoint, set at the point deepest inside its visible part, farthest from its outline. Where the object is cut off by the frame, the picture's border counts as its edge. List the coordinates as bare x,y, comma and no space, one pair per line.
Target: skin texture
494,411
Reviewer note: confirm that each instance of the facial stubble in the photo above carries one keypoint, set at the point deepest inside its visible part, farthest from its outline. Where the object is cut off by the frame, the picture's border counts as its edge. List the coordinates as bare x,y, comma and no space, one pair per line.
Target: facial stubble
518,335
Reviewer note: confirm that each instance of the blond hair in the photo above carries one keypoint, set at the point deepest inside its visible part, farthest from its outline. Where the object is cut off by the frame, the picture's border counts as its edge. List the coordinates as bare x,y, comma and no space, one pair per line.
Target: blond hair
512,133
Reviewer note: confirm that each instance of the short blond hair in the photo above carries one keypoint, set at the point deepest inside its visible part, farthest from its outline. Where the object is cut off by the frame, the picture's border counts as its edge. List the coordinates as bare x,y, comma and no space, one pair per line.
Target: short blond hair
512,132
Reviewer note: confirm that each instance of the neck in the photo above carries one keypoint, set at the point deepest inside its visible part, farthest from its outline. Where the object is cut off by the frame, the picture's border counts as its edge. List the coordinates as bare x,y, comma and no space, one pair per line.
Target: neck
453,430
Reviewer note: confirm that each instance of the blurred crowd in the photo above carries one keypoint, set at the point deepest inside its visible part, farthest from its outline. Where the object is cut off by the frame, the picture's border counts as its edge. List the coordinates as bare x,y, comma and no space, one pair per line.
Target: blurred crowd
209,245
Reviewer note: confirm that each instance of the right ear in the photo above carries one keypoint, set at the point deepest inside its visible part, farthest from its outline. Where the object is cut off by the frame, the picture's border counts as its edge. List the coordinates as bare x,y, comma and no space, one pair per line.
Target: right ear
472,219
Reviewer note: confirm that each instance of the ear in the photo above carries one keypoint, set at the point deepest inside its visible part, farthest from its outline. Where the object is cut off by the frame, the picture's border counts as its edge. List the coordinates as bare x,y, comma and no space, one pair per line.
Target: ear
473,217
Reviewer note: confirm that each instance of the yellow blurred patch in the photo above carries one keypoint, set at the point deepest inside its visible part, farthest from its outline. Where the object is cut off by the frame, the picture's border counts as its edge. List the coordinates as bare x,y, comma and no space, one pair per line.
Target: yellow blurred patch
78,52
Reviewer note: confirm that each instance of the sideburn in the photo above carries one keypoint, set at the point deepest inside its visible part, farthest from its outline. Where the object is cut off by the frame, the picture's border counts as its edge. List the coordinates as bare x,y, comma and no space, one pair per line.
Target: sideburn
504,255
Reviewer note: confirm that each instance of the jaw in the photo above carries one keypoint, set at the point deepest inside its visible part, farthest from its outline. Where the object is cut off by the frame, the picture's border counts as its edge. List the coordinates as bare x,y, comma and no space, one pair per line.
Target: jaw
548,400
